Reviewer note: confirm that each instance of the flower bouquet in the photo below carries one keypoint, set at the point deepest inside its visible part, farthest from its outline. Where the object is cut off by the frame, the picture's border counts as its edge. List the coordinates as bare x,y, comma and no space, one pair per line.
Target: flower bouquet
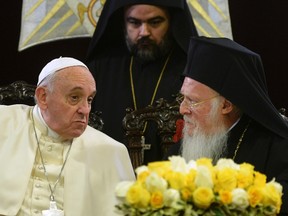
195,188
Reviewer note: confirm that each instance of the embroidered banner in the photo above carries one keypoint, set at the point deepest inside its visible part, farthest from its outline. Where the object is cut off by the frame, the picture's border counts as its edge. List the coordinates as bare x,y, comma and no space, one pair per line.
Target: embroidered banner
49,20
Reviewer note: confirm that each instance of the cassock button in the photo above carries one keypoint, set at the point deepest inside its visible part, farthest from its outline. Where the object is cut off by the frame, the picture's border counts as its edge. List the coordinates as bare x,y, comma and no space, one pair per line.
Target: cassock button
49,148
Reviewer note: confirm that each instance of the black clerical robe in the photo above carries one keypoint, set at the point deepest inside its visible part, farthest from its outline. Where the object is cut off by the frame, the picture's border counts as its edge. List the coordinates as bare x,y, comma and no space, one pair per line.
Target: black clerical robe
114,93
108,59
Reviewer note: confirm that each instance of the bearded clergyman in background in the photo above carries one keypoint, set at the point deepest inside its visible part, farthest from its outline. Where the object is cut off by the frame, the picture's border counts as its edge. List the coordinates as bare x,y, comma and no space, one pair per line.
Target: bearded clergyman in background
137,55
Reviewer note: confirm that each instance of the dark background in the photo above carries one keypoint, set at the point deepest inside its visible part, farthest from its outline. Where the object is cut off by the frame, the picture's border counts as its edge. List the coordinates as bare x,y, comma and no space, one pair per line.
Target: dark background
259,25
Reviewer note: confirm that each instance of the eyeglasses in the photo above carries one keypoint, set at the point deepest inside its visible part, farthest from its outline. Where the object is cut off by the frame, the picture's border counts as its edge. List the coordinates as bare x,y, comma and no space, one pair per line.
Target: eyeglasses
192,105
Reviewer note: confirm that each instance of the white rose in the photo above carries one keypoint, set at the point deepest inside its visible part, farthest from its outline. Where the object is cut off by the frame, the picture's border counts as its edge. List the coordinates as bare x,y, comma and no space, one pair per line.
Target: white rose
155,183
276,185
240,198
178,164
203,177
141,169
122,188
226,163
171,197
192,165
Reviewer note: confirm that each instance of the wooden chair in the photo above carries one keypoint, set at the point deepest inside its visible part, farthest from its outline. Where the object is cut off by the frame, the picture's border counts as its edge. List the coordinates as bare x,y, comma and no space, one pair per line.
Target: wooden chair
165,115
20,92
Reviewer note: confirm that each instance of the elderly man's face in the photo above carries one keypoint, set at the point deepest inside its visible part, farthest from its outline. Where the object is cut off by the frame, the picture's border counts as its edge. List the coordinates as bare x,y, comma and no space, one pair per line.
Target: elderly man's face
205,132
66,109
147,31
197,104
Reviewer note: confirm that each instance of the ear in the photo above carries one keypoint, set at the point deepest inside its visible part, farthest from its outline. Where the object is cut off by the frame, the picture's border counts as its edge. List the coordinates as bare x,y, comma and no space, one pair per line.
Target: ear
227,107
41,96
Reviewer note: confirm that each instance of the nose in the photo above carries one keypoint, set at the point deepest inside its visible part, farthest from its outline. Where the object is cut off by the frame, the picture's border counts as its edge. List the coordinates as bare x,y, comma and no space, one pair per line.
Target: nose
144,30
84,108
184,109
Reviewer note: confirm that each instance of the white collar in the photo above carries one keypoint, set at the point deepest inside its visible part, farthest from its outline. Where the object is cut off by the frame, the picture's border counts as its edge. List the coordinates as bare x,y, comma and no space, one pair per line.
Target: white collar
234,124
48,131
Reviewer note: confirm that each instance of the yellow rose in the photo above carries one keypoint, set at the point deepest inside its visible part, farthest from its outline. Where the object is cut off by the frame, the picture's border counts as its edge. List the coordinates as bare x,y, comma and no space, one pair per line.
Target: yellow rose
138,196
255,195
142,176
160,167
186,194
205,162
203,197
171,186
142,172
157,200
176,180
190,180
225,197
272,196
259,179
226,179
245,175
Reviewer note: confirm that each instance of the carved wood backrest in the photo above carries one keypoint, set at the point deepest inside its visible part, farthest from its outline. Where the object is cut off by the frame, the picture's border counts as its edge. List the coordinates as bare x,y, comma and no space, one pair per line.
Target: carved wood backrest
17,92
20,92
165,115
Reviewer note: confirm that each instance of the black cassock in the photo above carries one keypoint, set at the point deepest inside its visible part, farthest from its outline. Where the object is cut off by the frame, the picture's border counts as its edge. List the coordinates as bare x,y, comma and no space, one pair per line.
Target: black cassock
109,60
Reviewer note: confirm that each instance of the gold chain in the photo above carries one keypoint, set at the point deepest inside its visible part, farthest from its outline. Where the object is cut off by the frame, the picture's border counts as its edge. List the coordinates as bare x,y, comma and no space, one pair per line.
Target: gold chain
240,140
156,87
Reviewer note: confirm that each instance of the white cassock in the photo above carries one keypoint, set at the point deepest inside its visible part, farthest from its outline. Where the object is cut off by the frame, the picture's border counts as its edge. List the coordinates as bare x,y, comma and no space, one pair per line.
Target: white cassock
95,165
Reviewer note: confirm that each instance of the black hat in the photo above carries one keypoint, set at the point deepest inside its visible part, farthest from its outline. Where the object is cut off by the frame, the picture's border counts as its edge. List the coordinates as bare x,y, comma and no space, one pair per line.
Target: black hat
109,30
236,73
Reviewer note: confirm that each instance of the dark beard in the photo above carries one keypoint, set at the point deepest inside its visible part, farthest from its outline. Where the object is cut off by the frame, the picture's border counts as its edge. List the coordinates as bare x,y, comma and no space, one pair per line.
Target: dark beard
147,50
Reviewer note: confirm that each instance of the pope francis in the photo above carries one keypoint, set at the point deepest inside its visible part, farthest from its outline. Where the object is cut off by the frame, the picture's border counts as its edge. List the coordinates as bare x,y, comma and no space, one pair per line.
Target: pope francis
51,162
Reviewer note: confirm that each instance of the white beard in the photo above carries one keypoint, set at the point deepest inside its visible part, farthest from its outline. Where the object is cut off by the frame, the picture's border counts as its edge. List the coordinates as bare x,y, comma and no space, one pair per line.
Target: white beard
201,144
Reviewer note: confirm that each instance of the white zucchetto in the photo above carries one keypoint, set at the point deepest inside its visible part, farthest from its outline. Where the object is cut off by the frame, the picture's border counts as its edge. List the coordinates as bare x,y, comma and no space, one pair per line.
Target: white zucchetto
56,65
